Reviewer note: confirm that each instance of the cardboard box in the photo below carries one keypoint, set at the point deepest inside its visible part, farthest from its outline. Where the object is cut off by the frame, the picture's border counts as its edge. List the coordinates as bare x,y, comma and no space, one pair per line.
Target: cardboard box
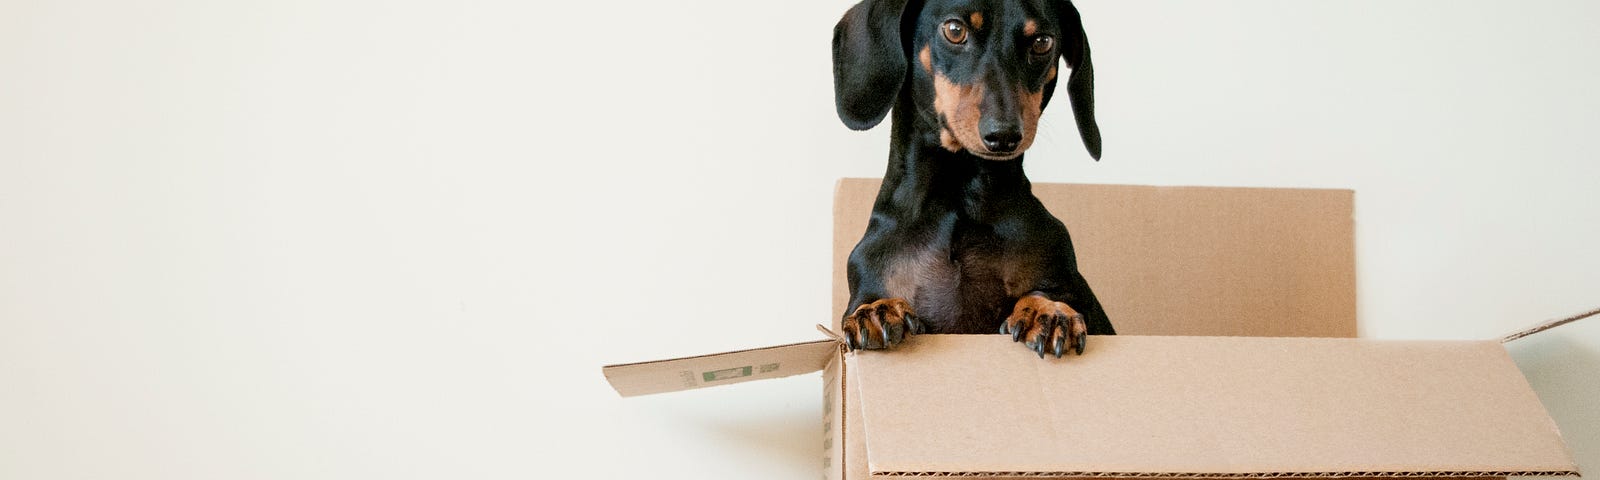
1194,278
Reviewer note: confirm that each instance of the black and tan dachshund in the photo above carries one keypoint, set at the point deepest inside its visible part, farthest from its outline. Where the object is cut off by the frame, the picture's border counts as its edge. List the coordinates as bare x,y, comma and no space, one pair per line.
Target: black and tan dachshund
957,242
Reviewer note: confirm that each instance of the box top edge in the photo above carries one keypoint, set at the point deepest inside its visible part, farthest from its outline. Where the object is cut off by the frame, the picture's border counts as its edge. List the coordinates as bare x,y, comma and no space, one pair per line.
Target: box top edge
1573,472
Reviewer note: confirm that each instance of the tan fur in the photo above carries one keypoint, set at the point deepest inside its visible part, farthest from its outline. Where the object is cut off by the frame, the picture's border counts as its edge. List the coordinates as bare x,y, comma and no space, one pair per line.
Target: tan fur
897,308
869,321
1037,304
926,57
1031,310
976,20
1032,107
948,141
958,104
1051,75
1029,28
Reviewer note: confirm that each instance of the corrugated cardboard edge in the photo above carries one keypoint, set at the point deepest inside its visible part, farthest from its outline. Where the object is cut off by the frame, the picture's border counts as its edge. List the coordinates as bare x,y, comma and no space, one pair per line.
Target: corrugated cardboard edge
1365,475
1549,325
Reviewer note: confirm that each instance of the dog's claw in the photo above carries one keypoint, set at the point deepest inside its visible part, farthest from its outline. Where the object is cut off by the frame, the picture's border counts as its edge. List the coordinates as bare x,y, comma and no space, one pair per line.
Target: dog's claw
1046,326
880,324
1061,342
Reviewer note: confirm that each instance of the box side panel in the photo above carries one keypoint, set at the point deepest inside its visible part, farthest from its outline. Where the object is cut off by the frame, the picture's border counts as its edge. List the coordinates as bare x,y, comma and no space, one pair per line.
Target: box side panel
888,475
1215,261
833,419
1187,260
1219,407
719,368
855,427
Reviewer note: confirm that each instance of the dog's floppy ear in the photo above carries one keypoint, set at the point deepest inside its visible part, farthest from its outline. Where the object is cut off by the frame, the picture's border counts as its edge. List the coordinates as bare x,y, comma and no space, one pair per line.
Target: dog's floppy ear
1080,86
869,62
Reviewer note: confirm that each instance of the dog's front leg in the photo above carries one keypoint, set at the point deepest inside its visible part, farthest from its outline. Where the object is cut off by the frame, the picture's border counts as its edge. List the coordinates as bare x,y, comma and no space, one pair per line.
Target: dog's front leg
880,315
1046,325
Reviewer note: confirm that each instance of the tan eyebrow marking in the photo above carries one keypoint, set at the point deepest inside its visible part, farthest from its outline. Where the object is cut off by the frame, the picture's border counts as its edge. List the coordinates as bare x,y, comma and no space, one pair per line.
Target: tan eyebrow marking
977,20
1030,27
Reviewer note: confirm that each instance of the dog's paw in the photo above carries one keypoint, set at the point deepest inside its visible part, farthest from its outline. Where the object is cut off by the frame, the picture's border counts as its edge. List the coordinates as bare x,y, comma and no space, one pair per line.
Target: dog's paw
1046,326
881,324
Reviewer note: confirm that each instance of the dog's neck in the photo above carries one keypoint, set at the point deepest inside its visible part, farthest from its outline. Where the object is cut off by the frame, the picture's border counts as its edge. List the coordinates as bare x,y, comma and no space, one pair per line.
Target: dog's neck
924,178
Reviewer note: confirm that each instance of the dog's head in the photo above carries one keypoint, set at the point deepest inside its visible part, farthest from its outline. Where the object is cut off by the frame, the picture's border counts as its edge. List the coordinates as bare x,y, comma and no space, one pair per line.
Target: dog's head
982,69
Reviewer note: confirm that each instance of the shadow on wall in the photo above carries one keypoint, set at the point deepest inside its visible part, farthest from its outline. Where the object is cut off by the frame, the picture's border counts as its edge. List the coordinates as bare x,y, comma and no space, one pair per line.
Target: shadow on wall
786,436
791,440
1561,367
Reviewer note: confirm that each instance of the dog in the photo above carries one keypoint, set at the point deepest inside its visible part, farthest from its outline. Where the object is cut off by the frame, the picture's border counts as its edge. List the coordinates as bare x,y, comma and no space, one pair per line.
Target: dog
957,242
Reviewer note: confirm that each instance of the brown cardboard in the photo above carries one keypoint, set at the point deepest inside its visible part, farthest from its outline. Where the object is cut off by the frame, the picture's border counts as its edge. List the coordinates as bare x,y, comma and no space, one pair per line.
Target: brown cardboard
1265,262
644,378
1548,325
845,445
1204,407
1165,261
833,419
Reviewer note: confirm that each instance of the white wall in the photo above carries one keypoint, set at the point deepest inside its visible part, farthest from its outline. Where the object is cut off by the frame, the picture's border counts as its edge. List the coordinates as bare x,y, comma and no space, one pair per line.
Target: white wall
364,239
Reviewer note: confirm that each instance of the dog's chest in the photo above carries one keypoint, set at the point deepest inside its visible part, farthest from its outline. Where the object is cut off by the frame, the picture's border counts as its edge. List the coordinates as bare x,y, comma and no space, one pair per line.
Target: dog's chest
955,283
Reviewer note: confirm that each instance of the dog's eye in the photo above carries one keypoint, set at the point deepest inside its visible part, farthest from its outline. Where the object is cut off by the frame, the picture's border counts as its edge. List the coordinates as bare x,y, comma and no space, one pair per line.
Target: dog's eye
955,31
1042,44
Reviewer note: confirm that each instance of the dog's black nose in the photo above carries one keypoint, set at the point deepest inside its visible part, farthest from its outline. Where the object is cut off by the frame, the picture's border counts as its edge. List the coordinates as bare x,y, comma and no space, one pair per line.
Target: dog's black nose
1001,137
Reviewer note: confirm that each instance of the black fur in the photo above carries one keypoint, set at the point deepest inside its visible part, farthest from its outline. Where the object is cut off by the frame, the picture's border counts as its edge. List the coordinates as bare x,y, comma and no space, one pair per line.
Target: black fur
962,236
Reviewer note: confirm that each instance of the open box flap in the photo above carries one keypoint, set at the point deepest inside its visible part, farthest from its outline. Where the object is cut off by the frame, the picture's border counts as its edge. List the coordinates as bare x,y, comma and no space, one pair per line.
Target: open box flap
717,369
1546,325
1204,407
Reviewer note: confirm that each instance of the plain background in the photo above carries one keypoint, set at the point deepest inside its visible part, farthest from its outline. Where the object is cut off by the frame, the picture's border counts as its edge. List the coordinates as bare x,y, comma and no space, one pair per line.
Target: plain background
397,239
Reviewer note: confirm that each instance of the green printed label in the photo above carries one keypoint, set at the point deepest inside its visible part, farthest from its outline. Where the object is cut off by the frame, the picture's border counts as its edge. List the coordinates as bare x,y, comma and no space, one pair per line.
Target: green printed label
736,372
727,373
